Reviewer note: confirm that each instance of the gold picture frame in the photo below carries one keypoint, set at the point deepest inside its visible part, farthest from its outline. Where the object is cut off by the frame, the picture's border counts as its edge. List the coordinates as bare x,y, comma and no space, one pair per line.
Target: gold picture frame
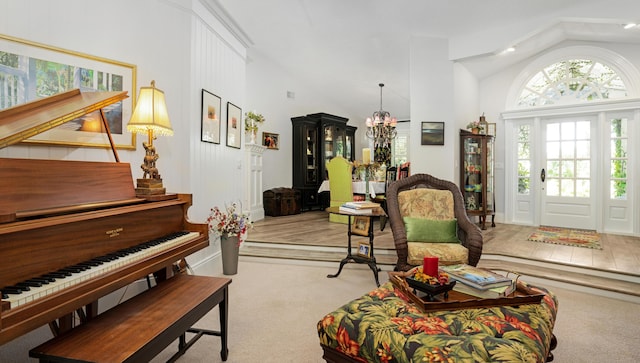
35,71
364,249
360,225
271,140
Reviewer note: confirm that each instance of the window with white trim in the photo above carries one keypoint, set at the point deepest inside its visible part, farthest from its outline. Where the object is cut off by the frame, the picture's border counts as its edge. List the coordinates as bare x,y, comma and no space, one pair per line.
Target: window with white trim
572,81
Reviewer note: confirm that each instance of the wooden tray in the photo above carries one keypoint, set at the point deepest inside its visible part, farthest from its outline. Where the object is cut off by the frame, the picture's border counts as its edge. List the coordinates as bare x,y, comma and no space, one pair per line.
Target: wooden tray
457,300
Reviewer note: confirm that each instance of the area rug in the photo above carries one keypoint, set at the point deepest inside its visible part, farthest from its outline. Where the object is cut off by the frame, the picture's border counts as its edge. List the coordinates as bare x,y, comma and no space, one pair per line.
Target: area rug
567,237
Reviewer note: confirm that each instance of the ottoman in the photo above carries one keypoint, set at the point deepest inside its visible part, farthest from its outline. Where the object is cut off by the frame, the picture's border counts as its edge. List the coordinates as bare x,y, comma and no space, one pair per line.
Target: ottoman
384,326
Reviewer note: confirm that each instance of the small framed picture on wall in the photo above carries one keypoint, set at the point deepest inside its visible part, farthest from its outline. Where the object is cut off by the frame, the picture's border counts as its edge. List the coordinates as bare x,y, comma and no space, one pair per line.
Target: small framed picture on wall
270,140
234,125
432,133
210,117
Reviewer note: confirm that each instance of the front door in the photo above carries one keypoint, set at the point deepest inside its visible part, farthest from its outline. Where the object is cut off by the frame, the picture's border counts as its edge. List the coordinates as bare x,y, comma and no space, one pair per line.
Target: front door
567,177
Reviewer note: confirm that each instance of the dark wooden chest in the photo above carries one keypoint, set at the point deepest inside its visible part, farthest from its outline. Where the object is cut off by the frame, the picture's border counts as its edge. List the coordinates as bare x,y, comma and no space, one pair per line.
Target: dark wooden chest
281,202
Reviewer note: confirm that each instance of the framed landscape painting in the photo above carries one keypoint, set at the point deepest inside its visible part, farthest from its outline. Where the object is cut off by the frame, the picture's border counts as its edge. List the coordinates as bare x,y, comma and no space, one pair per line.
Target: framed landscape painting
432,133
31,71
210,126
234,125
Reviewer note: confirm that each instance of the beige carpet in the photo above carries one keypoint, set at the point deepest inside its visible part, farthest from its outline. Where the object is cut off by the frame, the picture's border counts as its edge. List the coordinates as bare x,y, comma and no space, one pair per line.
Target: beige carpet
275,308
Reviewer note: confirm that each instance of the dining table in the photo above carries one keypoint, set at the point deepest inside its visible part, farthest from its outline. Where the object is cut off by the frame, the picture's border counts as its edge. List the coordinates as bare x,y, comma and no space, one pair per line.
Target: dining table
359,187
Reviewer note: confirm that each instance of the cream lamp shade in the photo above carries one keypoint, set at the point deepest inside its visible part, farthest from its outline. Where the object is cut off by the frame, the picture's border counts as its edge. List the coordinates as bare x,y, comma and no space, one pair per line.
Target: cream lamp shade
150,115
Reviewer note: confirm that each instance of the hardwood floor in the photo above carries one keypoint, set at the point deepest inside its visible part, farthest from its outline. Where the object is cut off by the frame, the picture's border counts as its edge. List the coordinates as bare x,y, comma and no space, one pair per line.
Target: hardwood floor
310,236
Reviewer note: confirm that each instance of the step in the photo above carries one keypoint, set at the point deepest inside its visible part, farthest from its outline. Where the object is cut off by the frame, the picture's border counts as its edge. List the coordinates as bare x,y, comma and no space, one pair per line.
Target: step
606,283
621,286
305,253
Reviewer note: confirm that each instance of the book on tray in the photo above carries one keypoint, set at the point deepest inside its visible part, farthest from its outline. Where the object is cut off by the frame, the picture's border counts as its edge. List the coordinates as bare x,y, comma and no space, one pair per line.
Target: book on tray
361,205
492,293
478,278
363,211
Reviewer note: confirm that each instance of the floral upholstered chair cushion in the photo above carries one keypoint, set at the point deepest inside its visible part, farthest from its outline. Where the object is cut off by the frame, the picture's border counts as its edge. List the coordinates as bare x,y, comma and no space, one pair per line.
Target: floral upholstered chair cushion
430,204
382,326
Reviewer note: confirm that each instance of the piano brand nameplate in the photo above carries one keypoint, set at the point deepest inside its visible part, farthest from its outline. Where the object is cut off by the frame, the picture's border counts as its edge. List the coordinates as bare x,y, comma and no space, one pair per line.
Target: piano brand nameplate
115,232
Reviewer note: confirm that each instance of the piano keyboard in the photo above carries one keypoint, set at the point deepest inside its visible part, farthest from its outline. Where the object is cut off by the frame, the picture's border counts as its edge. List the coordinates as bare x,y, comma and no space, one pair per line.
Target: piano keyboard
39,287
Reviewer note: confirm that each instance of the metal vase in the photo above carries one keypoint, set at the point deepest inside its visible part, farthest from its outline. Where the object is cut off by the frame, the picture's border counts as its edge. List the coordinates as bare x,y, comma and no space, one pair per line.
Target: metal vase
230,251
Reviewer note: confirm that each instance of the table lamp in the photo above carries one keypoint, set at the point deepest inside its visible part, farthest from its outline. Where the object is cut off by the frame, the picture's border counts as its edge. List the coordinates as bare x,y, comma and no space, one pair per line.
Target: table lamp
150,117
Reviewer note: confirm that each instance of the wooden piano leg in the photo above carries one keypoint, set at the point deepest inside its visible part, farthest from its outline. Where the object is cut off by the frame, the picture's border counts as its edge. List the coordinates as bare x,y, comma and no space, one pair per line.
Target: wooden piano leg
63,324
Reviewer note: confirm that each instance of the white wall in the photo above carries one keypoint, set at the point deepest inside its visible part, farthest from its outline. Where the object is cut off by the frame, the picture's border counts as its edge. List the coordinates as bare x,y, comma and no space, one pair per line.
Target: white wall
432,93
177,43
267,87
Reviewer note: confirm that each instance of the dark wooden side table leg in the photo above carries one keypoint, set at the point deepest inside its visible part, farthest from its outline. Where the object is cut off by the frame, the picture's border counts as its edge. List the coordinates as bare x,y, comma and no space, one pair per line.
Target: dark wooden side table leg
224,324
349,257
372,259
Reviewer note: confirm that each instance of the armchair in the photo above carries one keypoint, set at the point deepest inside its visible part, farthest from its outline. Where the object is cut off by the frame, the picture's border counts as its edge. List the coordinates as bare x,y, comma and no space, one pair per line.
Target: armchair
407,198
340,186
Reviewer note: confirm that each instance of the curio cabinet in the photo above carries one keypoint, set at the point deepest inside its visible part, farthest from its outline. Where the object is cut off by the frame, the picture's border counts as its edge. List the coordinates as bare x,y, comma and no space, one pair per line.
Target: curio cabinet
477,178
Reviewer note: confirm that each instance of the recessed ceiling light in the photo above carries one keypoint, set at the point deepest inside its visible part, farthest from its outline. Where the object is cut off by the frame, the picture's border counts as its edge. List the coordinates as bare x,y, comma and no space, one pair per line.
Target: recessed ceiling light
508,50
630,25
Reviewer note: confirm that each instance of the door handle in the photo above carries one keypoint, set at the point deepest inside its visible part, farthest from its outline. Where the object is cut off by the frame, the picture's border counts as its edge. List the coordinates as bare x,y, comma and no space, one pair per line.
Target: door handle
543,175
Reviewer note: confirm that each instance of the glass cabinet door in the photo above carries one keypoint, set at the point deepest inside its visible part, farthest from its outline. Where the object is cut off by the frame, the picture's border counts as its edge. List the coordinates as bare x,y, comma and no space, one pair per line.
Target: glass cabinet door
490,176
472,177
340,136
311,174
329,151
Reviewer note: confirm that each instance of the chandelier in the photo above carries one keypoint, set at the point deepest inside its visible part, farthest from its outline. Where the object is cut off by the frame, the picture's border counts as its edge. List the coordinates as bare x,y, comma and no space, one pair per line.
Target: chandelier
381,128
381,125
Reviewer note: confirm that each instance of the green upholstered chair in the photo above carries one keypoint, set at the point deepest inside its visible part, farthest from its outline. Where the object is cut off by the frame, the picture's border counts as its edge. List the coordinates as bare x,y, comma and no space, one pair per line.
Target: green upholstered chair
340,186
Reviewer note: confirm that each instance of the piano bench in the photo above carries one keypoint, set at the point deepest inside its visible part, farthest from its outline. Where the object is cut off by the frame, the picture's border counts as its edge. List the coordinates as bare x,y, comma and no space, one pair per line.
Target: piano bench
140,328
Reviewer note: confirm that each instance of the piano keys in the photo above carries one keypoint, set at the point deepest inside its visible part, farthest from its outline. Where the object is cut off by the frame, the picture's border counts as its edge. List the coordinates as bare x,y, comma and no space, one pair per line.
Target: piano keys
39,287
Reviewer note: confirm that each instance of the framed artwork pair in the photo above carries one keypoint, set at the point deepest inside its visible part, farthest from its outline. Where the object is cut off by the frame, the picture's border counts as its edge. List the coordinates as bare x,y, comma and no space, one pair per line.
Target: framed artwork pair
210,122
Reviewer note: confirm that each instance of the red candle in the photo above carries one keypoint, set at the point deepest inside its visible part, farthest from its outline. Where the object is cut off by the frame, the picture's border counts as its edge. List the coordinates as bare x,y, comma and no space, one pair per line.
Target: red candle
430,266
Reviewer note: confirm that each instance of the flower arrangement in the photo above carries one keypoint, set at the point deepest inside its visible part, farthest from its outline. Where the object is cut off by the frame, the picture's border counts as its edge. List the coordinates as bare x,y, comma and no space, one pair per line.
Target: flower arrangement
230,222
252,120
475,125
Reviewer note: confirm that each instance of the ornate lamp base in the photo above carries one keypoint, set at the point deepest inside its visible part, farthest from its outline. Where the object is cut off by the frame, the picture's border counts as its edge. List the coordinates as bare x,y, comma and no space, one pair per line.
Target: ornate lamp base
149,187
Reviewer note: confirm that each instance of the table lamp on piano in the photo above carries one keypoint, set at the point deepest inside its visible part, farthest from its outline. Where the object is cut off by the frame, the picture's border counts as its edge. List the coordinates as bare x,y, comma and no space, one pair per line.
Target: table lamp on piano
150,117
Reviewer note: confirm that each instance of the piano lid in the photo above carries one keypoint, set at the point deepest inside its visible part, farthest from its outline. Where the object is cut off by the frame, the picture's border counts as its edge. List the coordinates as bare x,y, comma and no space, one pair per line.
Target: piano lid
21,122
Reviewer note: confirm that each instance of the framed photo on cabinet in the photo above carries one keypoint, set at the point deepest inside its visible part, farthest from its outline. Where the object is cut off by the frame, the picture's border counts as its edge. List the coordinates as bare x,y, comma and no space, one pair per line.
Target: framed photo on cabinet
234,125
432,133
210,117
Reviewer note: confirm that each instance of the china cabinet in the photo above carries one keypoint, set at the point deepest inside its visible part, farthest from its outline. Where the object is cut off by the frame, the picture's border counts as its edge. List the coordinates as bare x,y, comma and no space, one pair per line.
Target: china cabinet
317,138
477,178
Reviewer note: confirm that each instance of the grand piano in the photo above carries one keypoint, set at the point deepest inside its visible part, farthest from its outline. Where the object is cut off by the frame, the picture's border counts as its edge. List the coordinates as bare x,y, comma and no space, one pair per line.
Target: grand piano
72,232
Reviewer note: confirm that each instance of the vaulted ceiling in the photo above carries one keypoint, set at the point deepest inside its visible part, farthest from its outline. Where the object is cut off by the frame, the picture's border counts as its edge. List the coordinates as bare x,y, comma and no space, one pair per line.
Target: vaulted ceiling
349,46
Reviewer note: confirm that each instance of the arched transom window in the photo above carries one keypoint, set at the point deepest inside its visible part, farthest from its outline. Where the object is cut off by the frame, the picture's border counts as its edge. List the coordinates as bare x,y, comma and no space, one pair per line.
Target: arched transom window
572,81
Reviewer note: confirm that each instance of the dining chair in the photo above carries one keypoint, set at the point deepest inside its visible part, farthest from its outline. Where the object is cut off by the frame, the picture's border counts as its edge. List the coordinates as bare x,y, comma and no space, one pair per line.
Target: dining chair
403,171
340,186
390,176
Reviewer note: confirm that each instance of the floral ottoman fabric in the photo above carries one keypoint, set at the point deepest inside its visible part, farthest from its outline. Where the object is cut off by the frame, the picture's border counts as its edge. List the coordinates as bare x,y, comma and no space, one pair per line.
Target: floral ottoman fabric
382,326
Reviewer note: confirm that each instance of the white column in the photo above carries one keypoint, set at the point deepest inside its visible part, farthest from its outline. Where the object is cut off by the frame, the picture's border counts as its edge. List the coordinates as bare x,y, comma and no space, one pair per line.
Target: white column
253,180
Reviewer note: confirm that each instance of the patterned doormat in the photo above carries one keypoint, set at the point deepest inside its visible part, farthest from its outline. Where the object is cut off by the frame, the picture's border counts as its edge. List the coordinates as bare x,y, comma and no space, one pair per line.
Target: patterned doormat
567,237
